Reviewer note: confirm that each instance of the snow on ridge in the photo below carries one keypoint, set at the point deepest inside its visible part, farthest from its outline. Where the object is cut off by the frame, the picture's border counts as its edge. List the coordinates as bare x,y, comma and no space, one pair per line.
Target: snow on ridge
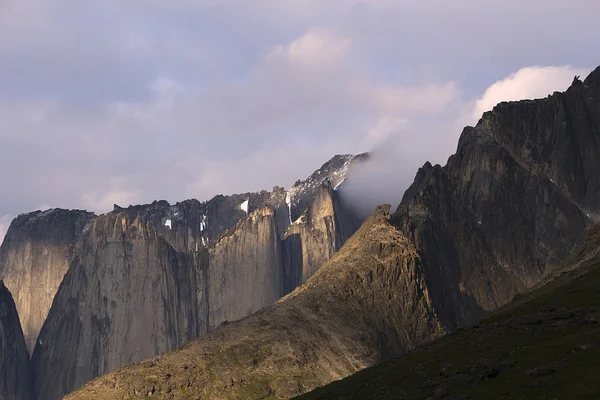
336,175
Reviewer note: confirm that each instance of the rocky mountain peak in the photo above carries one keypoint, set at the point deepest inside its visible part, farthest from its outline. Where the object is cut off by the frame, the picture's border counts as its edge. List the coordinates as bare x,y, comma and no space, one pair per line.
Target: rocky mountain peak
34,258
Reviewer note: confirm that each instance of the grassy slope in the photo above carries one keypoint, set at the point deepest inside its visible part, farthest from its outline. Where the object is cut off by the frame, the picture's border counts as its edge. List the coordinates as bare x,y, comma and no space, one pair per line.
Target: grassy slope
545,345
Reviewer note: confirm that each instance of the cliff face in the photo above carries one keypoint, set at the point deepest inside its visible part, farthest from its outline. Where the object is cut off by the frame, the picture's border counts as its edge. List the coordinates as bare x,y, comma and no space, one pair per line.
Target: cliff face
510,204
15,374
146,279
316,235
128,295
34,258
368,303
244,272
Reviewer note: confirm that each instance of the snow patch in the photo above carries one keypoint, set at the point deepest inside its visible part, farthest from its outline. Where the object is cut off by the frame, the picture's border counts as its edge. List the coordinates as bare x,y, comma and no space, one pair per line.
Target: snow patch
203,223
288,201
244,206
168,223
340,183
203,241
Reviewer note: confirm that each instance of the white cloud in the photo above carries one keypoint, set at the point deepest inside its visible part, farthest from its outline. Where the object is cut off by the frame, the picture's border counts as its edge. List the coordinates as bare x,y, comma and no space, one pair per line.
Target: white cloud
318,49
528,83
384,129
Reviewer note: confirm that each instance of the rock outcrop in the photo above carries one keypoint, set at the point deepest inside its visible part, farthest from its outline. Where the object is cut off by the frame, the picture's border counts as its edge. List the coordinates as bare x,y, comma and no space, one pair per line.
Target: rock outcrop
512,202
16,382
315,235
146,279
368,303
34,258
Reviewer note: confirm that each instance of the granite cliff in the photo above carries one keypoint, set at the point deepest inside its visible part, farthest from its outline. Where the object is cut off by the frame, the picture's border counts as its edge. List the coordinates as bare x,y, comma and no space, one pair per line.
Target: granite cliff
15,374
34,257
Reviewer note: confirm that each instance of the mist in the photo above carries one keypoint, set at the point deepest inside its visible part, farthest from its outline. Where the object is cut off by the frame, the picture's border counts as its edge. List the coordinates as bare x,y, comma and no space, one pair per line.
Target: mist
400,148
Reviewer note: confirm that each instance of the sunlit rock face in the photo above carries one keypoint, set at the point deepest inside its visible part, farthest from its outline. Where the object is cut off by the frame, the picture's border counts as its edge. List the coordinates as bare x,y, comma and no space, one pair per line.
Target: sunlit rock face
34,258
16,382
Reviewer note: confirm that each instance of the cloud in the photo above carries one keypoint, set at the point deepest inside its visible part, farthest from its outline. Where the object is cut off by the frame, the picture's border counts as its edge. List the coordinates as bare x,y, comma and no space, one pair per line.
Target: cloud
317,49
300,106
131,101
400,147
528,83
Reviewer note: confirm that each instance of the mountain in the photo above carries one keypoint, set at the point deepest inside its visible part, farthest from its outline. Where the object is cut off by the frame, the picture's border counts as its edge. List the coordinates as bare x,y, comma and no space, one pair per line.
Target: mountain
512,202
143,280
15,373
34,257
545,345
507,209
317,334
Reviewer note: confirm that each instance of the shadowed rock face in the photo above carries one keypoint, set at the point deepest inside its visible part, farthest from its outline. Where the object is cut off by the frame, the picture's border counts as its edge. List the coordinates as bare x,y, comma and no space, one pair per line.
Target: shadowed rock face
146,279
15,374
34,258
510,204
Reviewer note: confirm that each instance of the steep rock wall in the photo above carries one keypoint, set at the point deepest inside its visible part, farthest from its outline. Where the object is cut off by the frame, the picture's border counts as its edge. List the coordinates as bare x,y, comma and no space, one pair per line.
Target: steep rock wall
16,382
34,258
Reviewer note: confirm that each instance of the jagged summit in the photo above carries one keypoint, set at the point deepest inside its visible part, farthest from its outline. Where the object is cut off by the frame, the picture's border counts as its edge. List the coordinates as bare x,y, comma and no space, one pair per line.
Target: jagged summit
510,204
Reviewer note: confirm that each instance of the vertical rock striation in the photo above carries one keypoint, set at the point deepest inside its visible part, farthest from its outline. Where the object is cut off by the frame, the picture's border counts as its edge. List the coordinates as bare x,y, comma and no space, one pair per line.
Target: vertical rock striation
34,258
128,295
15,373
244,272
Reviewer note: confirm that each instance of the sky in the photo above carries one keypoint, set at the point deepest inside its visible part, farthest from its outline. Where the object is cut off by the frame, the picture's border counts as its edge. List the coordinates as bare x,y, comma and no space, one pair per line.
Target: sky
128,101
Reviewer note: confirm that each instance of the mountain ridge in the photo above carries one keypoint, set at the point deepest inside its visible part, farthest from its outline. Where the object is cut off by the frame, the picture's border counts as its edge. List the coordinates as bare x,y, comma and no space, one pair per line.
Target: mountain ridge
488,226
142,280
